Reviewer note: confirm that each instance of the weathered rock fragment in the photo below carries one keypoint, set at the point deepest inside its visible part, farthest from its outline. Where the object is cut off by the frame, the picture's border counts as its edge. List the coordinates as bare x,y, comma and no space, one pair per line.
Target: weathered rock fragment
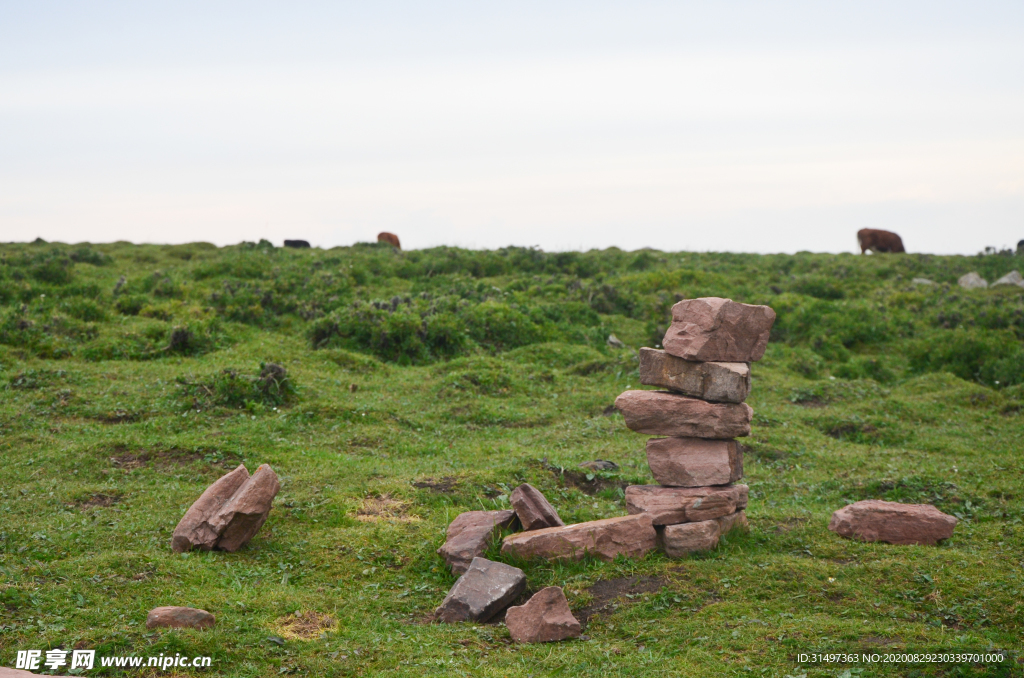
534,510
678,540
672,505
544,618
733,521
892,522
194,529
179,618
720,330
482,592
714,381
972,281
1011,278
470,534
661,413
244,514
631,536
694,462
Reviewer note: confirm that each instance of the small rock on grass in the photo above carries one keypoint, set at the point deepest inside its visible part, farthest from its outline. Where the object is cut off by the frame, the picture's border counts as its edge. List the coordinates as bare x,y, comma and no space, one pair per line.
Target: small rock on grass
544,618
892,522
534,510
972,281
482,592
173,617
194,529
470,534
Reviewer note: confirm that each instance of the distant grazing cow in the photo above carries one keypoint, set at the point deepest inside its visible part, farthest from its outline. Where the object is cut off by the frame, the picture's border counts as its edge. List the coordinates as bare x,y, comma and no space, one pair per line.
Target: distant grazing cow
301,244
1020,246
389,238
879,241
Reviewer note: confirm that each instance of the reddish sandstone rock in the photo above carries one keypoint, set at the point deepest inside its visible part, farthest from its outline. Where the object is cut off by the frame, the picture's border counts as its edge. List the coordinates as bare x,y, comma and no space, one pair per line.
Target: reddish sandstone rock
715,329
534,510
678,540
240,518
544,618
661,413
627,535
694,462
179,618
194,529
892,522
482,592
470,534
715,381
733,521
672,505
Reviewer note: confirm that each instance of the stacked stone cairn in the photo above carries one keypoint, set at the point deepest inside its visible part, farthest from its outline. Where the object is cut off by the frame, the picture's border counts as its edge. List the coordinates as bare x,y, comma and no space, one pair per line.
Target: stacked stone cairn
705,365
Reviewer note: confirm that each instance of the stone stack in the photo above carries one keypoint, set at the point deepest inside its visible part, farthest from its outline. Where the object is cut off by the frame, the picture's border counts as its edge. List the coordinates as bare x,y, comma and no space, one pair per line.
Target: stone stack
705,365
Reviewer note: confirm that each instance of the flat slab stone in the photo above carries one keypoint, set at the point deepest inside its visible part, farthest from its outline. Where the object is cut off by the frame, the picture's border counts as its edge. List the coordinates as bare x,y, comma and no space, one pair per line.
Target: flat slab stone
694,462
545,618
470,534
661,413
631,536
714,381
173,617
674,505
892,522
482,592
716,329
534,510
194,529
244,514
679,540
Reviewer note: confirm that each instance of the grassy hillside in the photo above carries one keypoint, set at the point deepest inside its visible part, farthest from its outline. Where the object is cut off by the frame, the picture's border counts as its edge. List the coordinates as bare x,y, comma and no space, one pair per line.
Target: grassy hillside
421,384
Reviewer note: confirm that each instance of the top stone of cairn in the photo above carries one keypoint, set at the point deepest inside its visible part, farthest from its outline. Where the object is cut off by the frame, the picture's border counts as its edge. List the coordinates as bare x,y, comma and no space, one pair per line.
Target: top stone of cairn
719,330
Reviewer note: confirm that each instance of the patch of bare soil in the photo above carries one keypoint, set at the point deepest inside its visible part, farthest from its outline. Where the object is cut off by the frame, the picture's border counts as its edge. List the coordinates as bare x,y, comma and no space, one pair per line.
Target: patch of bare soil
880,641
98,501
384,507
118,417
304,625
586,481
171,456
607,591
444,485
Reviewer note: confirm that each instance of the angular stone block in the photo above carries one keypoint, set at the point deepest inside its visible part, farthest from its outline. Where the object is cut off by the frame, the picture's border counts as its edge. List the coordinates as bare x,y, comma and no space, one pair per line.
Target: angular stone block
714,381
544,618
679,540
482,592
631,536
694,462
720,330
194,529
892,522
733,521
661,413
972,281
470,534
244,514
673,505
534,510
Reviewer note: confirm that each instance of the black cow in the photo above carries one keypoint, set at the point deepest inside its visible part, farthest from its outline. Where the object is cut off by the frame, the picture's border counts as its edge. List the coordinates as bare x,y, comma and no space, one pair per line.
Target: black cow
301,244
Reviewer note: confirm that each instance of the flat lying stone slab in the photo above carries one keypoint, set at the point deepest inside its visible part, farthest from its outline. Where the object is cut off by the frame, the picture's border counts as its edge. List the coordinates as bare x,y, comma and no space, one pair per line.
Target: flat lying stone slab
673,505
694,462
719,330
194,529
482,592
679,540
631,536
545,618
715,381
892,522
661,413
173,617
470,534
534,510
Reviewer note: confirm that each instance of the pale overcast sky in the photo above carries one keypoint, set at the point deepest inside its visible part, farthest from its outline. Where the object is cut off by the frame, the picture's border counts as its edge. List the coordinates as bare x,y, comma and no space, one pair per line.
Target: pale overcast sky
739,126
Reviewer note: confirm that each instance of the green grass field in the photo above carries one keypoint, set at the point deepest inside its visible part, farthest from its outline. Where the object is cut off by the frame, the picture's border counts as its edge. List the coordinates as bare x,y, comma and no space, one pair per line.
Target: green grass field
426,383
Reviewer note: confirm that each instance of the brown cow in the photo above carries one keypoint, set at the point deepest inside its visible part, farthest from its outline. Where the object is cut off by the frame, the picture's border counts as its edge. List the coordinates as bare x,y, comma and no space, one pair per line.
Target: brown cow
389,238
879,241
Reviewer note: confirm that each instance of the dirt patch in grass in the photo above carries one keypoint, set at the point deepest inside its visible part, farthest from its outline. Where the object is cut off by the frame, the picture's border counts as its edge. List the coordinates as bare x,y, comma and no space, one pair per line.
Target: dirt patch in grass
879,641
384,507
304,625
170,456
607,591
588,482
118,417
98,500
444,485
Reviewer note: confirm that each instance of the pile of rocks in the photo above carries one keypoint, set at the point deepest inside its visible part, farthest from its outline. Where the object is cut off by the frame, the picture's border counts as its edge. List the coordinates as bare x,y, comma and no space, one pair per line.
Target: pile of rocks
705,365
